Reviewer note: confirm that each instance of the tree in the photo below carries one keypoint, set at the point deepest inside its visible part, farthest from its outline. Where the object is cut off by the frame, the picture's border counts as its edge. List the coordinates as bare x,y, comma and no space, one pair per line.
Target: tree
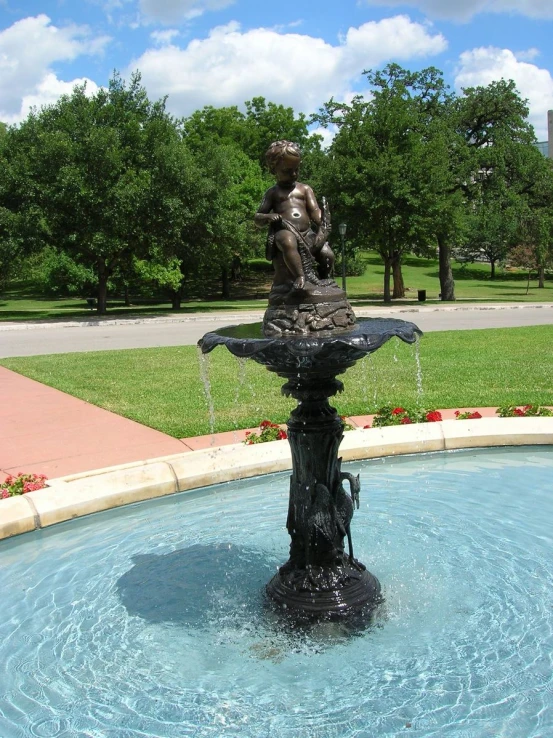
500,165
22,225
384,163
536,220
237,187
97,168
252,131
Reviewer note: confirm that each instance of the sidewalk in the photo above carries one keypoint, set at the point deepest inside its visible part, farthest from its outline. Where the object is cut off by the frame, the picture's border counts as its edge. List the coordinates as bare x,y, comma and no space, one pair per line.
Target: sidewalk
45,431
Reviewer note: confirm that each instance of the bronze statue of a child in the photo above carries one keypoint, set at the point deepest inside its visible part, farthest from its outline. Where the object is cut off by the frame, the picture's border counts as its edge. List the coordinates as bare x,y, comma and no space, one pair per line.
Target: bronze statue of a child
300,255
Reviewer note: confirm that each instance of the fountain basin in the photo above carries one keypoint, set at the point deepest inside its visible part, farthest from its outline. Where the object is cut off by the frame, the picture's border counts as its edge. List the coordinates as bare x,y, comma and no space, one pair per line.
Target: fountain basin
111,627
327,352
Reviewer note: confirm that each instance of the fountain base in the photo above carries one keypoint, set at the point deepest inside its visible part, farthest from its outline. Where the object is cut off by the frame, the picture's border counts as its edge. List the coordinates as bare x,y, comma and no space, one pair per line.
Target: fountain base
303,319
325,592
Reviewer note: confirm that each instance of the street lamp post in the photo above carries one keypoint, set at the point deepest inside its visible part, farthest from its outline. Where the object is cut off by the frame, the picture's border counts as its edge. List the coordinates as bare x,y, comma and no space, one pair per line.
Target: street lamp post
342,231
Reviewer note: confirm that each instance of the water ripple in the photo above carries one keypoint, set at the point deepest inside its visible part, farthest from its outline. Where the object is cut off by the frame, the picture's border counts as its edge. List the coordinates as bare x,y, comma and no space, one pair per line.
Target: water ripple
148,621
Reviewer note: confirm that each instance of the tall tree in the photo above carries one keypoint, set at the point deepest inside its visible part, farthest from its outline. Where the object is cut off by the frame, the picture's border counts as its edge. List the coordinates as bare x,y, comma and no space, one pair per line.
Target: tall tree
384,162
96,167
500,163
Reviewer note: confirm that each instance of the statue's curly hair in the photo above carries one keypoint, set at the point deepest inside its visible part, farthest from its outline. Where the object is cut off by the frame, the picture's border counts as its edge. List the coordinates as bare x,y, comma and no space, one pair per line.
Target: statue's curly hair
279,149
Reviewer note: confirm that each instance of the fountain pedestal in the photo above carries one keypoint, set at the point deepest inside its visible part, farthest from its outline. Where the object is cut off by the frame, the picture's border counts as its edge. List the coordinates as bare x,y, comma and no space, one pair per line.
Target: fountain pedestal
321,576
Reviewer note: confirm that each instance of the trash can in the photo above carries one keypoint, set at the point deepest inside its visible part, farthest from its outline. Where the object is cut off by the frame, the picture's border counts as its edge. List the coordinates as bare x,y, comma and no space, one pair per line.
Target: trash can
421,295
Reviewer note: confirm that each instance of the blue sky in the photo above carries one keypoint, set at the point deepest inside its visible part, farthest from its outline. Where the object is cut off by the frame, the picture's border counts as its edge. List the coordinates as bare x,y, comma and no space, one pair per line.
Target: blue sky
223,52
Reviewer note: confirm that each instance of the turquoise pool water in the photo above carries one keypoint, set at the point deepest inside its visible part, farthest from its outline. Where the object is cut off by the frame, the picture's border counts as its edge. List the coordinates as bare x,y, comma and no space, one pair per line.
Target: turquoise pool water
112,627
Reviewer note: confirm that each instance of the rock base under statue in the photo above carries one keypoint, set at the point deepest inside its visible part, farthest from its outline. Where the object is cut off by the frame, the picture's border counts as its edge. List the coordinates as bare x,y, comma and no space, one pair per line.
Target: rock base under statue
304,319
333,592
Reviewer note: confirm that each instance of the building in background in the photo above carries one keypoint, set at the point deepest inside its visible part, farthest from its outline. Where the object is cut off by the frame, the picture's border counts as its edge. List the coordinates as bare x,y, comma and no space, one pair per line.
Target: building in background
546,147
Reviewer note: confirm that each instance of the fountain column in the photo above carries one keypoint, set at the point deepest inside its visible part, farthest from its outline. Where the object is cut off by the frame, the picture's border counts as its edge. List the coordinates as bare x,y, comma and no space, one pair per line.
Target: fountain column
320,577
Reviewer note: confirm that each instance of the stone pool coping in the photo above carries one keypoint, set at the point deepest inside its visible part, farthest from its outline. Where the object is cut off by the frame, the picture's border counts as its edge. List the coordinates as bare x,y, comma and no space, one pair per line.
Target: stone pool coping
89,492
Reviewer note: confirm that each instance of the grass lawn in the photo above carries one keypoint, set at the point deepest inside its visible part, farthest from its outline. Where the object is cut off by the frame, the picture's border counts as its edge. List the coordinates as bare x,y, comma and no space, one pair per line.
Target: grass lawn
472,282
161,387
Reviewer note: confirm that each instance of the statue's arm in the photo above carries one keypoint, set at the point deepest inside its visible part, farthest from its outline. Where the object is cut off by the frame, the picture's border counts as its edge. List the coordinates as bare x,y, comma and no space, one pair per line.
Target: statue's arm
313,209
264,216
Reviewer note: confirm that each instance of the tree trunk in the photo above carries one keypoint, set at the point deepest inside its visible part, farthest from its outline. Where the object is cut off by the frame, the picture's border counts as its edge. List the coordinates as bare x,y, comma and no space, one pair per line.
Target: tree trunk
387,274
447,284
176,298
226,284
127,296
102,287
399,286
541,277
492,265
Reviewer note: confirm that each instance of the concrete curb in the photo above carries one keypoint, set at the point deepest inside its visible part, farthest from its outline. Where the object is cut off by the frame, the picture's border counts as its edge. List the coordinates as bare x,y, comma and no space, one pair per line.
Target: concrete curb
82,494
256,315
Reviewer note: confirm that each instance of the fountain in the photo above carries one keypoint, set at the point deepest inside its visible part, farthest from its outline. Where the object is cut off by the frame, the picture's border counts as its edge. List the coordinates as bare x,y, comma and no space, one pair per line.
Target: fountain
309,336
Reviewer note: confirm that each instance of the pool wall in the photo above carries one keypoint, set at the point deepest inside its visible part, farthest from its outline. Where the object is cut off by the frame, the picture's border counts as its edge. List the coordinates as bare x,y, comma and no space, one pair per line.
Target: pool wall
82,494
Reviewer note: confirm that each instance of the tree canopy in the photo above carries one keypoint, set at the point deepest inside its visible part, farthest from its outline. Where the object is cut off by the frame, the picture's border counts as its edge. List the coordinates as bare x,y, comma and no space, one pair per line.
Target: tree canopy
111,189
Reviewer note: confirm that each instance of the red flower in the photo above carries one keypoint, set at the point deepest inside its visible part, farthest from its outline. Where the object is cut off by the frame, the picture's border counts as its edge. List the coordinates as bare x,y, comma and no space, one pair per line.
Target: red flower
519,412
282,435
474,415
367,426
406,420
457,413
397,411
433,416
265,424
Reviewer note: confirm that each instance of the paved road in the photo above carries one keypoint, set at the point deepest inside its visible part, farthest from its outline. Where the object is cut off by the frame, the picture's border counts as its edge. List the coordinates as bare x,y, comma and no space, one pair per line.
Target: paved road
26,339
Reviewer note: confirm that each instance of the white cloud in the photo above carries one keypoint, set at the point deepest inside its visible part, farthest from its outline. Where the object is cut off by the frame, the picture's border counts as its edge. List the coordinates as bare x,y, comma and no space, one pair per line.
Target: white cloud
173,11
463,10
28,48
231,65
527,54
164,37
484,65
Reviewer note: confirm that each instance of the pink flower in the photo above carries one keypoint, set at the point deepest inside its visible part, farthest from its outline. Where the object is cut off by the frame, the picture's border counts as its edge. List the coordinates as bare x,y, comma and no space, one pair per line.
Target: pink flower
4,494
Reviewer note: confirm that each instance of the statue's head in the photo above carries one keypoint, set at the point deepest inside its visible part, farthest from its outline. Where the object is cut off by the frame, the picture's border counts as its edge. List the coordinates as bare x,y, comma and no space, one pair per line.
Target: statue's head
282,151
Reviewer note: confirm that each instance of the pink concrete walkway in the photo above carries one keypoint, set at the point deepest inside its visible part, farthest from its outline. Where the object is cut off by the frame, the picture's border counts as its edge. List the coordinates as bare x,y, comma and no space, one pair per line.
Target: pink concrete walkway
45,431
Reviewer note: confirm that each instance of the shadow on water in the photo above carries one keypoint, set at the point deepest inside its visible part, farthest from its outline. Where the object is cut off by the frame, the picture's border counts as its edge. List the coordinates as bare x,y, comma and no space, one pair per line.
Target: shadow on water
221,588
193,585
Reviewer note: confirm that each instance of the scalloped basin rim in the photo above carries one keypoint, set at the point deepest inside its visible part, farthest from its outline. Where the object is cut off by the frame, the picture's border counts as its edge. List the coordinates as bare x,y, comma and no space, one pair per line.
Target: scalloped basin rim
369,334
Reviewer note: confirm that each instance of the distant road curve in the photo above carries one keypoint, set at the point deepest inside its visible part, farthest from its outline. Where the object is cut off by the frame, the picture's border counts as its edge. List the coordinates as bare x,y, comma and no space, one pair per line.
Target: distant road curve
33,339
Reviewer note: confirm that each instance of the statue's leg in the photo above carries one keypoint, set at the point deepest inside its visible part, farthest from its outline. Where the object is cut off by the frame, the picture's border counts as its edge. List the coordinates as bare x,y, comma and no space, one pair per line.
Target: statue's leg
287,244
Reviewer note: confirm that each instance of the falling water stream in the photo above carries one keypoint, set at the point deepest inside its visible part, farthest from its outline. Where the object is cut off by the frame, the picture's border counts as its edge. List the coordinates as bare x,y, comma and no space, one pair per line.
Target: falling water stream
203,362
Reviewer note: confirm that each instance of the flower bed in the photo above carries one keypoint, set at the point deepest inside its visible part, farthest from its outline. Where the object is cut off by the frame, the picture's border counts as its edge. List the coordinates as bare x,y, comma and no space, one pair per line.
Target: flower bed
268,431
21,484
388,415
513,411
